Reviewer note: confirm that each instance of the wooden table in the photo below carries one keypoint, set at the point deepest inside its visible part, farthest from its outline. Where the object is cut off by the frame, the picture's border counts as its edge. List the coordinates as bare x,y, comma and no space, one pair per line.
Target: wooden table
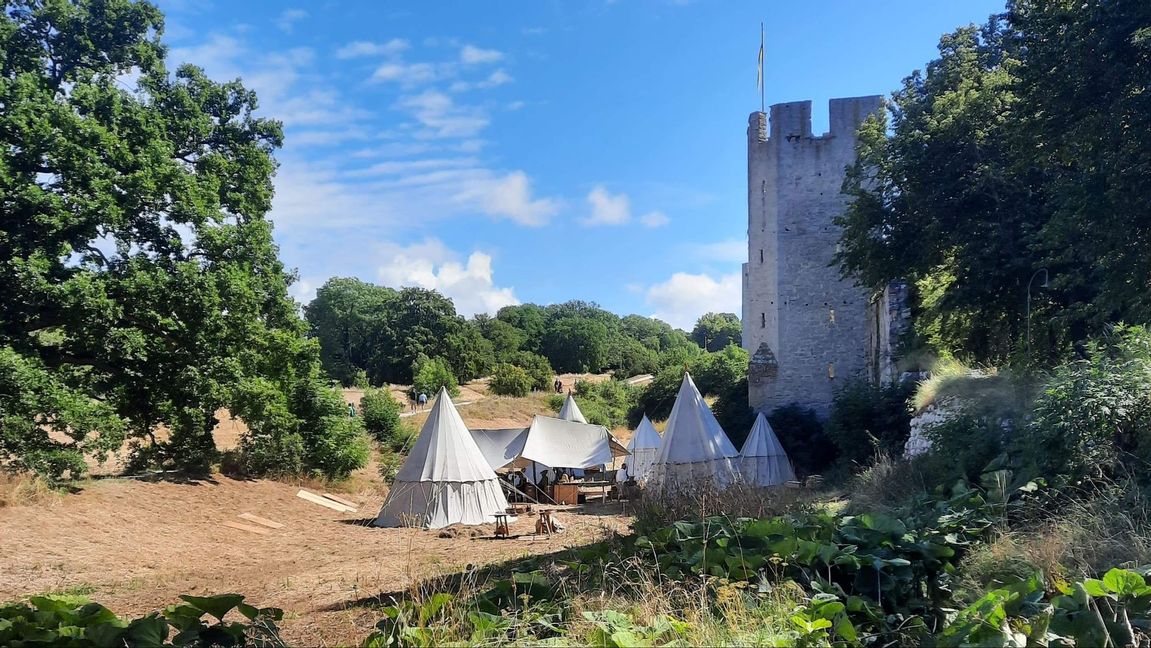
566,493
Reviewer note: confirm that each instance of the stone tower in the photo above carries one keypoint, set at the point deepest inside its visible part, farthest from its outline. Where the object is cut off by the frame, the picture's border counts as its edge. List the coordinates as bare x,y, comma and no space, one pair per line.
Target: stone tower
807,330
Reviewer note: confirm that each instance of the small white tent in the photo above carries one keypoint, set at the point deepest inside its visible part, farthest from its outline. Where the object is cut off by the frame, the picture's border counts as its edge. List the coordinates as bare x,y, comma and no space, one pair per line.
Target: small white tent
446,479
695,448
763,461
570,411
644,449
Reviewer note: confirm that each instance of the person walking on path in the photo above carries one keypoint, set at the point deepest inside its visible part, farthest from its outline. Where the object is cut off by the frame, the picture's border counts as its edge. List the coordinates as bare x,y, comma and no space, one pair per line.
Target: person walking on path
423,400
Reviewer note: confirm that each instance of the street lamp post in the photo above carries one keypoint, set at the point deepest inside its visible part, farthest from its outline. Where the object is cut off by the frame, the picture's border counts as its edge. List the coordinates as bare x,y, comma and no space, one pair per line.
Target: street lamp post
1042,285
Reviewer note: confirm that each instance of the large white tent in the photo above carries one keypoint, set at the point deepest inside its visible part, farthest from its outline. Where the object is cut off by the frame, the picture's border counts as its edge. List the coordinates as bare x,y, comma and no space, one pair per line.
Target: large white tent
548,442
644,449
445,480
763,461
570,411
695,450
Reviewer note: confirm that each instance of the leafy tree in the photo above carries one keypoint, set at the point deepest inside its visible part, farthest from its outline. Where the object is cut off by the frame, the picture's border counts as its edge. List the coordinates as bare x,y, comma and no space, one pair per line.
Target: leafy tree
381,415
431,374
530,319
714,331
537,368
715,373
866,418
801,435
575,345
138,267
347,317
506,339
510,380
734,413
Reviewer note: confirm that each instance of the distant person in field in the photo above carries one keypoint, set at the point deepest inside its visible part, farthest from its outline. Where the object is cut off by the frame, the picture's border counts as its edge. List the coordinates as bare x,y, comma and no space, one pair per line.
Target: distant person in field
352,410
412,400
544,482
423,400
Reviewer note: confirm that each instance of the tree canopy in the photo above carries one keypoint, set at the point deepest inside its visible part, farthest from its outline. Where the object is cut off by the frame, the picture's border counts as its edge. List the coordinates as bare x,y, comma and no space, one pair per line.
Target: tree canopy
142,286
1024,147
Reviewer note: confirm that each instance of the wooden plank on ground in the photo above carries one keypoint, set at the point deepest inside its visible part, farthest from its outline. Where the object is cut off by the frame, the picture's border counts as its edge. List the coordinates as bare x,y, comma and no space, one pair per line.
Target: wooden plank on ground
246,527
341,500
272,524
323,501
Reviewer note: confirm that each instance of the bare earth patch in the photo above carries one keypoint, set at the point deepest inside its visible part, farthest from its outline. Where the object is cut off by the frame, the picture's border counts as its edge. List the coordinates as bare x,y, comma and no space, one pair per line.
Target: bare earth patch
135,546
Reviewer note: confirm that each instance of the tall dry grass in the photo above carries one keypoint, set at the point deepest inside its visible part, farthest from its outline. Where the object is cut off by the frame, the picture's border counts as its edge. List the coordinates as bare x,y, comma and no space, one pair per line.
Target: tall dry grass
26,490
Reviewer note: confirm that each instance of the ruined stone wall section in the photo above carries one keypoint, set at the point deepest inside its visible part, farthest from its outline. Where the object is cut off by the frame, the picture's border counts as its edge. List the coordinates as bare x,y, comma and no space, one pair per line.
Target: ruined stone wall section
807,329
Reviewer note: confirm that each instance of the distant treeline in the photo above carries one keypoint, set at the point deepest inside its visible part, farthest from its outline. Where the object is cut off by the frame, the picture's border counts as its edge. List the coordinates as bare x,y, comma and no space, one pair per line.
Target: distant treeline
373,334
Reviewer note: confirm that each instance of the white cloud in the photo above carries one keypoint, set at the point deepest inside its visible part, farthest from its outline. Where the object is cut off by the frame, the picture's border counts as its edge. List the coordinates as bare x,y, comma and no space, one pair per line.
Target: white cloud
495,79
406,73
681,299
509,196
359,49
654,219
607,209
727,251
442,117
472,55
288,19
431,265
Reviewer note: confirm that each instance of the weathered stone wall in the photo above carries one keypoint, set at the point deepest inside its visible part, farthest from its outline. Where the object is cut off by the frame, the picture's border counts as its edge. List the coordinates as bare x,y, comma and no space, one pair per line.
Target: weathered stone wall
807,329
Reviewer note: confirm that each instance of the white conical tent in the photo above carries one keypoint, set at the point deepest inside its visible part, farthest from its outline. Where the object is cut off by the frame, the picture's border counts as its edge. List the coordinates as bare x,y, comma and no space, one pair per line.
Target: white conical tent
570,411
763,461
644,449
445,480
695,448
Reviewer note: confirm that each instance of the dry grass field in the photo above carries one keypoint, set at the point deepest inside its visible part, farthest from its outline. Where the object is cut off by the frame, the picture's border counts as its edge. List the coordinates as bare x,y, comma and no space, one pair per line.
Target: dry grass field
135,544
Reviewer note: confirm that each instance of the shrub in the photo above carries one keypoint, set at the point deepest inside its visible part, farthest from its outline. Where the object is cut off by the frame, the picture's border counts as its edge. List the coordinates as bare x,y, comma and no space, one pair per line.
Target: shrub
1094,413
867,418
734,413
381,415
340,450
801,435
272,455
962,446
510,380
433,373
537,367
605,403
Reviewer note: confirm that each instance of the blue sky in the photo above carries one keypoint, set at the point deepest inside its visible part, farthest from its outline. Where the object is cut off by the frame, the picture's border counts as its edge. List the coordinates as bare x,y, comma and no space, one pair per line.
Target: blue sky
516,151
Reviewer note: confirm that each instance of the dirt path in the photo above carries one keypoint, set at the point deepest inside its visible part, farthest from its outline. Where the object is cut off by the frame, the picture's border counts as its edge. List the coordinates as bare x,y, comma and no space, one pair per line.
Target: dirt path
136,546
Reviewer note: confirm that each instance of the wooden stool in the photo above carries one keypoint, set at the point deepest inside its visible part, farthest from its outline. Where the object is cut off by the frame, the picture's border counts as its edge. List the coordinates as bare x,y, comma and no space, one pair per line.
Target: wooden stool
544,524
502,525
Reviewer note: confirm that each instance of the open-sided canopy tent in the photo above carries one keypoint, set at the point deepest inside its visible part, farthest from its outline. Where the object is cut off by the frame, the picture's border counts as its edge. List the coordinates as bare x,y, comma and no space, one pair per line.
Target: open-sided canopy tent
644,449
570,411
548,442
695,448
763,461
445,479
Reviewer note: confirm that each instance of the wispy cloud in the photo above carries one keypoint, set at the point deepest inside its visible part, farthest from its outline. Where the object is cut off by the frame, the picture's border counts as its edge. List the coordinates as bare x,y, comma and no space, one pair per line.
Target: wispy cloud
472,55
361,49
495,79
288,18
732,250
408,74
441,116
654,219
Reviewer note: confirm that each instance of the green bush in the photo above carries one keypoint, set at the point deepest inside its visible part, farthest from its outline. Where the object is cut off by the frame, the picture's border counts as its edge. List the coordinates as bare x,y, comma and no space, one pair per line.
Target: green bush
381,415
271,455
605,403
341,450
962,447
801,434
734,413
537,367
1094,413
510,380
866,419
431,374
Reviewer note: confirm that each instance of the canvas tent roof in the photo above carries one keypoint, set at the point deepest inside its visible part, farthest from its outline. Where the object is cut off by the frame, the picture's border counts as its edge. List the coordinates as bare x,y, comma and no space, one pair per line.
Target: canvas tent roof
556,442
445,479
548,442
694,445
644,449
763,461
571,412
